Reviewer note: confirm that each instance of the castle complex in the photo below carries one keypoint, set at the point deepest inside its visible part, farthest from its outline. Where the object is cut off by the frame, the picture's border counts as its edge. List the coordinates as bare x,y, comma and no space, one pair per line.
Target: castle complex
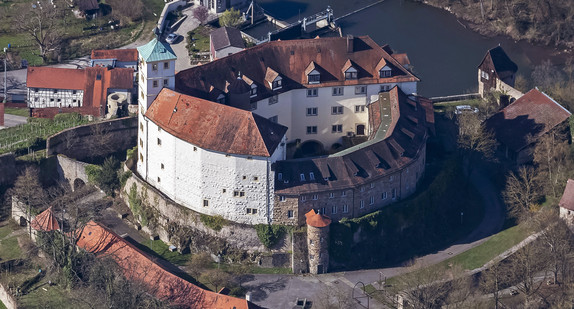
270,133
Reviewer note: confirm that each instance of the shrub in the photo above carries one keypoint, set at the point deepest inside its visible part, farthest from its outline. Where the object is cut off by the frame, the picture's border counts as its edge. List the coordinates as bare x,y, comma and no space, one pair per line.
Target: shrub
215,223
105,176
269,235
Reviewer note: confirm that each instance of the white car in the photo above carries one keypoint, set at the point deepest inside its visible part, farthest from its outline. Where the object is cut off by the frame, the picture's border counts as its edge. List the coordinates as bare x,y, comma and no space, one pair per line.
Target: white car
465,109
171,38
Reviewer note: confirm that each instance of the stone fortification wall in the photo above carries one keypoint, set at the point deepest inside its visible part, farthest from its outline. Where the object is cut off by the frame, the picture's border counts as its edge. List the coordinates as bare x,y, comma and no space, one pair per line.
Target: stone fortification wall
300,257
181,226
72,171
92,140
7,168
506,88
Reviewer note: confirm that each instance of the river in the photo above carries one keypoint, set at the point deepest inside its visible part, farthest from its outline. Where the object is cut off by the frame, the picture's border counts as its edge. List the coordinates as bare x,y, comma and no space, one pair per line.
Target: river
444,53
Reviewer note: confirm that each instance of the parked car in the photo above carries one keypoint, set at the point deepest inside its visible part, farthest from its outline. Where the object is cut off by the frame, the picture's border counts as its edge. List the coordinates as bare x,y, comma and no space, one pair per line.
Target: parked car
465,109
172,38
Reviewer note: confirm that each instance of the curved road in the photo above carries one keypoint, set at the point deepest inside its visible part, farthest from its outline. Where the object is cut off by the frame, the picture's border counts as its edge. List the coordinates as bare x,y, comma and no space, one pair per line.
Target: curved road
281,291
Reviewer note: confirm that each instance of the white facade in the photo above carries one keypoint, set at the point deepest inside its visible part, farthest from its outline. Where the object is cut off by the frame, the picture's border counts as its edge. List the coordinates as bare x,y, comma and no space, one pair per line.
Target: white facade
291,110
153,76
42,97
224,52
237,187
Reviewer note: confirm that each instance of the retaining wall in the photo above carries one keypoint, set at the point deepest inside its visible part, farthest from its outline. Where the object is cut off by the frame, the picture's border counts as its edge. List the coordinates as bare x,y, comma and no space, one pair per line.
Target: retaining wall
71,171
170,216
93,140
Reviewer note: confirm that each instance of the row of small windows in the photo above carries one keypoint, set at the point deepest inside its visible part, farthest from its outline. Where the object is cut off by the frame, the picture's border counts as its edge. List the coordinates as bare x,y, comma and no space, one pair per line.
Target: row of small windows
56,91
154,66
336,128
335,110
337,91
165,83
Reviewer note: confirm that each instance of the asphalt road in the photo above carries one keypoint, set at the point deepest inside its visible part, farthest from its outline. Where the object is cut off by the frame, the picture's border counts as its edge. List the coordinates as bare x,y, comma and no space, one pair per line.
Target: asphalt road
12,120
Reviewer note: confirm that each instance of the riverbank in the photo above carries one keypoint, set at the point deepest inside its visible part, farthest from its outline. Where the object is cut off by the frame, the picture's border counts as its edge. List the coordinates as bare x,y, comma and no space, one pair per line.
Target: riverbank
546,26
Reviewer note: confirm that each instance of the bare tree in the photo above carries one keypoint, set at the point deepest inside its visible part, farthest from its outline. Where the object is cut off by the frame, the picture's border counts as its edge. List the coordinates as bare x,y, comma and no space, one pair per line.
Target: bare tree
474,140
424,287
552,157
30,193
127,11
216,277
492,280
527,265
521,192
41,23
557,239
201,13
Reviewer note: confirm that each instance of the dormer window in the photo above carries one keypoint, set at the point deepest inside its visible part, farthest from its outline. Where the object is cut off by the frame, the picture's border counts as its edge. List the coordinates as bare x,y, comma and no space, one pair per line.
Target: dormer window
253,90
302,177
351,73
311,176
314,77
273,79
385,72
277,83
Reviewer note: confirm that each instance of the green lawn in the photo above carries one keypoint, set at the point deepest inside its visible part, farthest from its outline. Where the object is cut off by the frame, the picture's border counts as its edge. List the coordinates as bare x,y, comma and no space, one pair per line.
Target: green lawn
162,249
16,111
485,252
2,305
482,254
9,248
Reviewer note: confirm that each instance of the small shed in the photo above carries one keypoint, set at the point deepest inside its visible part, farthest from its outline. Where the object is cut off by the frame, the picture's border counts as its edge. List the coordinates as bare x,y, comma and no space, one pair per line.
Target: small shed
225,41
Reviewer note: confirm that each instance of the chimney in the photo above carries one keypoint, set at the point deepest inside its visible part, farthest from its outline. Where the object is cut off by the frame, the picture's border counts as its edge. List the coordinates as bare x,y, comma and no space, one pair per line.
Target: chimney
350,40
248,296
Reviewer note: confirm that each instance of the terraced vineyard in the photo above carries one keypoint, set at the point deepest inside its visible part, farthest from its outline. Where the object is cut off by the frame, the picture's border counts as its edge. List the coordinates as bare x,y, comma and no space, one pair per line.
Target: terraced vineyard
32,135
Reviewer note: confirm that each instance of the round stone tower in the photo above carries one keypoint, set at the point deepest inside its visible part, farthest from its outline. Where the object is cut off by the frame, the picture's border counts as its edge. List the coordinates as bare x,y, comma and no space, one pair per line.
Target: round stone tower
318,242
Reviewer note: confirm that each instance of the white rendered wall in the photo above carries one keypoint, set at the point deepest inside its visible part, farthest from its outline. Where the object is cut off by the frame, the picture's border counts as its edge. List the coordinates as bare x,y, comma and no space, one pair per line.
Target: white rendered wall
227,51
291,111
146,90
191,175
47,98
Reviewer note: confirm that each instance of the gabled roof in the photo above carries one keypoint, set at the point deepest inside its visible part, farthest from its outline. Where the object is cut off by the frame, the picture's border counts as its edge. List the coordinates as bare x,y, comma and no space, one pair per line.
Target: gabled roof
532,115
123,55
225,36
136,265
156,50
502,63
567,200
289,59
396,142
55,78
317,220
94,81
215,126
45,221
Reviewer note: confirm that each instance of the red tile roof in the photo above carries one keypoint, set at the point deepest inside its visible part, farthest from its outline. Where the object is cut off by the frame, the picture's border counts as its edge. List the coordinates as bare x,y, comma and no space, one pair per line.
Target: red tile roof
289,59
317,220
136,265
124,55
567,200
94,81
215,126
532,115
45,221
55,78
